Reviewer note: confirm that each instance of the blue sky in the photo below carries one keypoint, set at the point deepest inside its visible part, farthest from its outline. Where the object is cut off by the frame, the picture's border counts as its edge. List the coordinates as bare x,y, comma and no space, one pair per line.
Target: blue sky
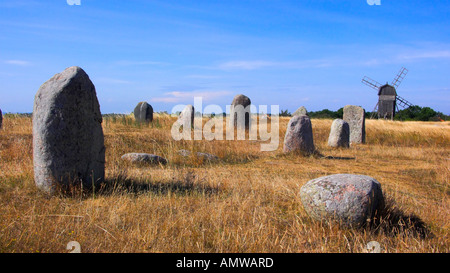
289,53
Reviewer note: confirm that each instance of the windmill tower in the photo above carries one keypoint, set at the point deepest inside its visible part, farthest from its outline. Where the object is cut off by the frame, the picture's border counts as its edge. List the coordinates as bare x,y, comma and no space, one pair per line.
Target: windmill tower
389,101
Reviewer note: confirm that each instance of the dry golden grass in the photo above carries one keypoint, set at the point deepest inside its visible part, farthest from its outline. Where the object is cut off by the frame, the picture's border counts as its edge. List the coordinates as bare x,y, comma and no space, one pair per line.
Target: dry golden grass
247,202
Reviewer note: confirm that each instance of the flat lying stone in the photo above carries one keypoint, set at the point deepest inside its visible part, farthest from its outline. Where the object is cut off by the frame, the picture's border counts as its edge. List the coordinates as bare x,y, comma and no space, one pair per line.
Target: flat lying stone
205,156
144,158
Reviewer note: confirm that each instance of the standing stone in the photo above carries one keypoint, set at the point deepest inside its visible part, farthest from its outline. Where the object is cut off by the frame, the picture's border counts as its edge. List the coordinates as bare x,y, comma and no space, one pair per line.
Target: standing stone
347,198
299,136
300,112
187,116
68,142
355,116
239,109
143,112
339,134
1,118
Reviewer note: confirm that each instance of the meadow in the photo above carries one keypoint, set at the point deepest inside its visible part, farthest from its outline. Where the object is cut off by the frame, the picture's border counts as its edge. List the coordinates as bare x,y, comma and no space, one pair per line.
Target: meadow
248,201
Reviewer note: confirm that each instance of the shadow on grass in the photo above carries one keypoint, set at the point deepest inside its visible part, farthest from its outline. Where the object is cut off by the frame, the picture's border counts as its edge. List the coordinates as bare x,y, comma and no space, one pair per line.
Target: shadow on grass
122,184
393,221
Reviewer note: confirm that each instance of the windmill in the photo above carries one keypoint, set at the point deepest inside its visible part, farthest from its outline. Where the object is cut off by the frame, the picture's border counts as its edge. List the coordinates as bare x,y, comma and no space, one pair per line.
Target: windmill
389,101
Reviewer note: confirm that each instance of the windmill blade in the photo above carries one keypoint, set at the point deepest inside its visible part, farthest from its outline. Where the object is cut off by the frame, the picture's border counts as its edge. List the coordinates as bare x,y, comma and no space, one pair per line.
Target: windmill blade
403,103
371,83
399,78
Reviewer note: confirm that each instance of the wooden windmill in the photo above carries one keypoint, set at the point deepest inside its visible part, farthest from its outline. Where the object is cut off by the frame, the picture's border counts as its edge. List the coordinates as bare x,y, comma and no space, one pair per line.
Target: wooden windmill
389,101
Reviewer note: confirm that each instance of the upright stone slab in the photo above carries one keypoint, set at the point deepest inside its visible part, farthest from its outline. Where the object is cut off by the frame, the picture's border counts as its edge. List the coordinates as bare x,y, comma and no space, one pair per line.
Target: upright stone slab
347,198
355,116
239,110
143,112
299,136
301,112
1,118
339,134
187,116
68,142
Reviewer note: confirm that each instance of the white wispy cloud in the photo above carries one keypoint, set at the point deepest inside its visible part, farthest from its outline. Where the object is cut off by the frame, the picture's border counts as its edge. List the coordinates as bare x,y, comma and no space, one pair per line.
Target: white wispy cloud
179,96
18,62
261,64
438,54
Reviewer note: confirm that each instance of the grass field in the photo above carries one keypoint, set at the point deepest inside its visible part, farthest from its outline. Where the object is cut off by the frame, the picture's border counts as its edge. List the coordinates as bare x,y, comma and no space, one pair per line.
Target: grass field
248,201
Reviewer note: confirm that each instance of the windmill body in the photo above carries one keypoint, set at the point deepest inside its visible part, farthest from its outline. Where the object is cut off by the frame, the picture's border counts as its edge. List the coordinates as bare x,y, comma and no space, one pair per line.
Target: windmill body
387,97
389,101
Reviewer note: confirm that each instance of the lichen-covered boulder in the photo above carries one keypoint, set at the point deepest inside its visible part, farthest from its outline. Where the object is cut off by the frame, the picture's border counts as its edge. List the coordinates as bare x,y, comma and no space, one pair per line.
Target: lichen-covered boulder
347,198
68,141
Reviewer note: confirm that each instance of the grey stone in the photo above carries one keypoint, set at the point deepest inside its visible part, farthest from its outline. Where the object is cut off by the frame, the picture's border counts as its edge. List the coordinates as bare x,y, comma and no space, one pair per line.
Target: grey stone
240,107
339,134
187,116
144,158
299,136
301,112
347,198
143,112
205,156
68,141
355,116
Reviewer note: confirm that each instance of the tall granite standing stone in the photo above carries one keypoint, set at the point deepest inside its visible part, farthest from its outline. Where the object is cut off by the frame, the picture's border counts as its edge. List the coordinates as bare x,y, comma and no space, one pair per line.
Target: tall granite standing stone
240,107
143,112
301,112
339,134
1,118
299,136
347,198
68,141
355,116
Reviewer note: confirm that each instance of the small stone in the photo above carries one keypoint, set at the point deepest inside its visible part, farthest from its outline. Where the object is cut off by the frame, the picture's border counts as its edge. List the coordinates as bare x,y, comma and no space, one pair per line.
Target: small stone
240,107
187,116
347,198
141,158
205,156
299,136
301,112
143,112
355,116
339,134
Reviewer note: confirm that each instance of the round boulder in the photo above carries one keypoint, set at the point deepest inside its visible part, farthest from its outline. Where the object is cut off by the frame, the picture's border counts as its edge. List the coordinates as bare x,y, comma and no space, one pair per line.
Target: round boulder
347,198
68,141
143,112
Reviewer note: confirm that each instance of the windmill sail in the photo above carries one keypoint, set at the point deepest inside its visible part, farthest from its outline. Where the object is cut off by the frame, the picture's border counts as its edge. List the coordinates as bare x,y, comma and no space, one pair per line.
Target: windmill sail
403,103
399,78
371,83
